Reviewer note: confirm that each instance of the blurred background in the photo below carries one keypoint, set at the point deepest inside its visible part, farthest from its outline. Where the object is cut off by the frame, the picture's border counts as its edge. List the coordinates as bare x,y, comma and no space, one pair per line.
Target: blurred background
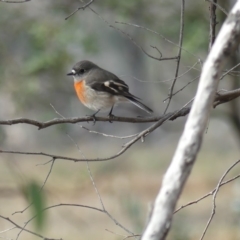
38,47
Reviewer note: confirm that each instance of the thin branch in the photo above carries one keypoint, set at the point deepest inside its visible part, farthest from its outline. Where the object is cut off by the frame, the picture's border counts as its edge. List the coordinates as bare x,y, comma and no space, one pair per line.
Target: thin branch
178,56
163,81
159,34
97,192
49,172
179,90
91,131
83,8
22,1
226,97
53,206
206,195
56,121
169,116
214,198
108,135
125,147
229,71
33,233
160,58
213,23
124,237
7,230
176,114
217,5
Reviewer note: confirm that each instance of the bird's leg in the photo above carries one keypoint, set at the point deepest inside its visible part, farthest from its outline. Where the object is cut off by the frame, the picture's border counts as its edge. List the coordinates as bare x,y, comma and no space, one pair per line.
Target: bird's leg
93,116
110,115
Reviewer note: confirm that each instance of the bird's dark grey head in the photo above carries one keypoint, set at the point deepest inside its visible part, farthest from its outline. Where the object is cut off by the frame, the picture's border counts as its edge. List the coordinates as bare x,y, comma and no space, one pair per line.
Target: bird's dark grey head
81,68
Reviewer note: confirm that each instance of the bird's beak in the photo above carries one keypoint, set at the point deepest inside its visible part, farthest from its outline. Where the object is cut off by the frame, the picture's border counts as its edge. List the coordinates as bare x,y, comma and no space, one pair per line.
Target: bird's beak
70,74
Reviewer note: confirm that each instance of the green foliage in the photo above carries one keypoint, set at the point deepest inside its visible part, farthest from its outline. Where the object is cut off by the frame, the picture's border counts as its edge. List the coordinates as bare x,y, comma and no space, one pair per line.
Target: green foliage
37,199
196,32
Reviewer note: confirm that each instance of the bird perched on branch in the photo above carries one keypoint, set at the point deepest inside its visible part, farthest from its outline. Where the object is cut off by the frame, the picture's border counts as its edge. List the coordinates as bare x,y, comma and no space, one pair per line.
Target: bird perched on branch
99,89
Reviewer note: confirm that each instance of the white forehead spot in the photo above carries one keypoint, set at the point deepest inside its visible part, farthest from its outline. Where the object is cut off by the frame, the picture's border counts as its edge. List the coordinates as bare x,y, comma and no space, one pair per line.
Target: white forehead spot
73,71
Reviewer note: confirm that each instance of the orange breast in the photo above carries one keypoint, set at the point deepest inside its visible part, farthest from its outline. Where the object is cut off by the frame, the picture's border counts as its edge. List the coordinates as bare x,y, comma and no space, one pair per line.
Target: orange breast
80,90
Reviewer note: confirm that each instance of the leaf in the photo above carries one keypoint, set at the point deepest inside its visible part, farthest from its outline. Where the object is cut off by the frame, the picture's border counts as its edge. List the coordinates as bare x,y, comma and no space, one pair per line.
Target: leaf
37,199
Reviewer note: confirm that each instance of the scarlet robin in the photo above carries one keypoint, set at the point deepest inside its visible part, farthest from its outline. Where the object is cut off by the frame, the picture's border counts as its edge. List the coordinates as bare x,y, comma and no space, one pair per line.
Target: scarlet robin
99,89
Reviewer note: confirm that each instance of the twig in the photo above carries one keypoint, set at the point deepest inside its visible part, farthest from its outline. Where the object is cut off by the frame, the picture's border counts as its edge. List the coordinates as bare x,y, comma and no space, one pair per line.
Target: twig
169,116
217,5
19,227
214,198
9,229
108,135
167,80
196,78
97,192
226,97
91,131
178,56
22,1
125,237
228,71
83,8
206,195
160,58
53,206
49,172
213,23
159,34
42,125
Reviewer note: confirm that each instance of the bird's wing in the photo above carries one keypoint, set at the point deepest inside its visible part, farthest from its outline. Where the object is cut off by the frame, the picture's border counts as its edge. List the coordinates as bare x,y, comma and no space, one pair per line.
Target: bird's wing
108,82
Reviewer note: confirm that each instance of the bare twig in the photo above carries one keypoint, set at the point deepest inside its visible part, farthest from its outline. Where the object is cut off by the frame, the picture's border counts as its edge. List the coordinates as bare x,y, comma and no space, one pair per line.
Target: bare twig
196,78
213,23
178,56
9,229
124,237
53,206
97,192
206,195
214,198
125,147
160,58
91,131
19,227
159,34
49,172
56,121
225,97
163,81
229,71
217,5
22,1
83,8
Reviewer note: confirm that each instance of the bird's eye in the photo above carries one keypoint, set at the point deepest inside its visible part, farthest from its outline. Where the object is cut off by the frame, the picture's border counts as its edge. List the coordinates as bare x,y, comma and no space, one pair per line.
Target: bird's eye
81,71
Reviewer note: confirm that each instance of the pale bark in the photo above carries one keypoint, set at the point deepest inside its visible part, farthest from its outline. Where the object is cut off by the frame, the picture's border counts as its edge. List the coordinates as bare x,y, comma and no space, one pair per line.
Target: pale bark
191,139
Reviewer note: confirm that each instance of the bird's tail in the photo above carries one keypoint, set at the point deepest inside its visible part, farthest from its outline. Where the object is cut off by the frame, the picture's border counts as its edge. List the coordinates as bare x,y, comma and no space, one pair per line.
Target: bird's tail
139,104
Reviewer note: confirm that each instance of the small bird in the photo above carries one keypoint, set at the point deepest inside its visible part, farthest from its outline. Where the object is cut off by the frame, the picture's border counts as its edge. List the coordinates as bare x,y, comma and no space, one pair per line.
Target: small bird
99,89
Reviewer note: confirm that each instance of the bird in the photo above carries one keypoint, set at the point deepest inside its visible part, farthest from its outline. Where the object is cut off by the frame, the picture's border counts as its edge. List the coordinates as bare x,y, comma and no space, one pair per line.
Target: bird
99,89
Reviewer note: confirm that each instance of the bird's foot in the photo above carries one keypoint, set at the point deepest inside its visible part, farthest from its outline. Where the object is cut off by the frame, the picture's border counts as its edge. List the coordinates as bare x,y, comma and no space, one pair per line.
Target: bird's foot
93,117
110,116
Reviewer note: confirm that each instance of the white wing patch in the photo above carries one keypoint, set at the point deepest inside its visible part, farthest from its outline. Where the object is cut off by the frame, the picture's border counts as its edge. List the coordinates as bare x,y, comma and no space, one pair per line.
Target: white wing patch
115,86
